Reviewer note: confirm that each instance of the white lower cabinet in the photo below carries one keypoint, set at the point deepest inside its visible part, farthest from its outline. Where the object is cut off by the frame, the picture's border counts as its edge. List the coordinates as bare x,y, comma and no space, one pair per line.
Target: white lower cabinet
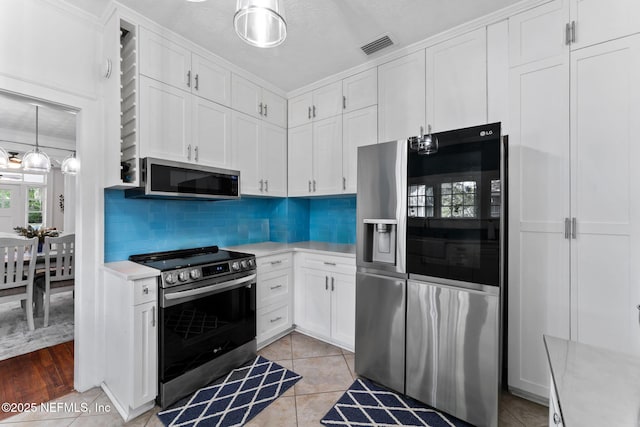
274,297
325,298
131,335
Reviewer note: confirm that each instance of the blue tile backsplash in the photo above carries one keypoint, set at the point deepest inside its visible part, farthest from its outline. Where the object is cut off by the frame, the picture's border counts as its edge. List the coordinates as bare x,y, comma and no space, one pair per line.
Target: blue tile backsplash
134,226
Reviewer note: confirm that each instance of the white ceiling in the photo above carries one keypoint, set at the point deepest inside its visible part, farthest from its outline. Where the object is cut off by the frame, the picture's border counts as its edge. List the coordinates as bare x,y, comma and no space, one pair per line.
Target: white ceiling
324,36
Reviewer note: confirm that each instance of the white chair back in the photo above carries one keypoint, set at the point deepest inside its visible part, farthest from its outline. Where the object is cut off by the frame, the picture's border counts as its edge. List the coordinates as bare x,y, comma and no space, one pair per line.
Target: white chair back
62,249
19,264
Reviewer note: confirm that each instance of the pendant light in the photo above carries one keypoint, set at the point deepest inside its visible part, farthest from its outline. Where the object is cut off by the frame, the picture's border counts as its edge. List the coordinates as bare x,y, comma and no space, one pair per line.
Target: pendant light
260,22
35,160
4,158
70,165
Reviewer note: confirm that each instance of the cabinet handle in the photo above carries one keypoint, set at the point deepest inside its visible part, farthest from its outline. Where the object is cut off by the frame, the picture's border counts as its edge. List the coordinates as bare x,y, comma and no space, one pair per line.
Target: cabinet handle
276,319
344,102
196,151
556,418
189,152
266,185
333,288
567,228
314,185
330,263
314,111
197,81
421,132
153,316
266,112
189,78
344,183
276,262
573,31
574,226
567,34
309,186
326,283
260,108
145,290
261,185
275,287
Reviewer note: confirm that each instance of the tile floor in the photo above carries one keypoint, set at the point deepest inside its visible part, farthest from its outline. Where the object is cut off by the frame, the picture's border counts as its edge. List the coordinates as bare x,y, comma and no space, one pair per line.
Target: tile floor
327,372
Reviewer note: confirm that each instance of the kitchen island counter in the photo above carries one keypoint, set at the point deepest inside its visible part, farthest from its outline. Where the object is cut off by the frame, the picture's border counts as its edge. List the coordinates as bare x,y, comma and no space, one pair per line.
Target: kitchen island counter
594,386
274,248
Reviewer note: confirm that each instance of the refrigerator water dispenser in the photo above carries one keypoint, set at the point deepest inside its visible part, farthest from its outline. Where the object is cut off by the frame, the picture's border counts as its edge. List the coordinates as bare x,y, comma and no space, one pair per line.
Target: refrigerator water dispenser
381,237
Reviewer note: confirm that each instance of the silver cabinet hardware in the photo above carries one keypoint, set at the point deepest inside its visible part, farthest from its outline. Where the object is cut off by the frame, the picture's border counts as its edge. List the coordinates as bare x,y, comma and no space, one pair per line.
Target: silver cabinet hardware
567,228
260,108
197,78
574,230
567,34
108,68
276,262
314,111
326,283
309,186
309,112
556,418
333,287
275,287
329,263
344,183
573,31
344,102
266,185
276,319
421,131
195,150
189,152
266,112
189,78
153,316
145,290
314,185
261,185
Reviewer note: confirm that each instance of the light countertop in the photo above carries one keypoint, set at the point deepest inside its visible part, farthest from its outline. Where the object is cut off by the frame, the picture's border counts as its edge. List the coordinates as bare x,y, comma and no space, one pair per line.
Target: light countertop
595,386
273,248
130,270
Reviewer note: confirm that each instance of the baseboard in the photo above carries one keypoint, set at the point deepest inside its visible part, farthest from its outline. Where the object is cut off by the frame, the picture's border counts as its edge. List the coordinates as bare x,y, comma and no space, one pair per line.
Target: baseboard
529,396
122,410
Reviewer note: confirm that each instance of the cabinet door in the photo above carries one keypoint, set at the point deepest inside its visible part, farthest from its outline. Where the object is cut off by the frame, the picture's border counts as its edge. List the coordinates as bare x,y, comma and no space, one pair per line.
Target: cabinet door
538,205
246,152
300,110
358,128
598,21
343,309
605,275
165,120
401,97
211,142
327,101
210,80
145,354
457,82
246,96
164,60
316,302
327,156
274,108
273,160
111,48
300,161
360,91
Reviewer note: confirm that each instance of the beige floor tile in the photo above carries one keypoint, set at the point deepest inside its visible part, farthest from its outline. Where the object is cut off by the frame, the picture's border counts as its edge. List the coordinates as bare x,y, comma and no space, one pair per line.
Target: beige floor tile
304,346
278,350
347,352
312,407
350,359
505,419
154,421
64,422
288,364
280,413
528,413
66,407
322,374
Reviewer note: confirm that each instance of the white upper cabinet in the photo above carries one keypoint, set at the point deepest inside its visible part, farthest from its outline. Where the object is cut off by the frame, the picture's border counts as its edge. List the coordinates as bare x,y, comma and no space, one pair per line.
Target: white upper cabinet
598,21
300,160
327,156
210,80
457,82
211,137
360,90
359,128
401,97
498,74
252,99
320,104
273,160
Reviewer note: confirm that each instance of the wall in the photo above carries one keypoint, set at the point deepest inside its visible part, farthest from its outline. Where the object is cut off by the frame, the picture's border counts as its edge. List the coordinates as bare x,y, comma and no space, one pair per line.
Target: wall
135,226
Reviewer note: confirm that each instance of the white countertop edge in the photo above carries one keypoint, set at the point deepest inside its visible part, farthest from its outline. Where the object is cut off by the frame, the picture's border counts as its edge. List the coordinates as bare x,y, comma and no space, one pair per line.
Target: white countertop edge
274,248
130,270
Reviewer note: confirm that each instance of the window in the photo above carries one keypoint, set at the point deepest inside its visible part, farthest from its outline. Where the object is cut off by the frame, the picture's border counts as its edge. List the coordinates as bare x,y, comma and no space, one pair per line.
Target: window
421,201
495,198
5,199
35,206
458,199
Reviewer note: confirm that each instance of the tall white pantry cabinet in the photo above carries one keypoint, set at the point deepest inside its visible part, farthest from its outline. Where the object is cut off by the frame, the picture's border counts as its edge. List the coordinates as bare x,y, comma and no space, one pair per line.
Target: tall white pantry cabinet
574,210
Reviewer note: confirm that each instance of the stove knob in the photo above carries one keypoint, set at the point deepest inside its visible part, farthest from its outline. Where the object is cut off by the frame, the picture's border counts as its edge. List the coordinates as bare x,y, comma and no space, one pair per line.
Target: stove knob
171,278
243,263
183,276
235,266
252,263
195,274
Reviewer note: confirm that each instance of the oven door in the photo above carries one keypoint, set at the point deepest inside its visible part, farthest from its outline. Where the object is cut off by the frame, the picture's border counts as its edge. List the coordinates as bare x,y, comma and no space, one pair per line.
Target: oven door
199,324
454,207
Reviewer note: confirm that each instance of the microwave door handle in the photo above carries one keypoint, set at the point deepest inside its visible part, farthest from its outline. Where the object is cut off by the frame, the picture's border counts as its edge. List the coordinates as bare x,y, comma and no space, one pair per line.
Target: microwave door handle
206,289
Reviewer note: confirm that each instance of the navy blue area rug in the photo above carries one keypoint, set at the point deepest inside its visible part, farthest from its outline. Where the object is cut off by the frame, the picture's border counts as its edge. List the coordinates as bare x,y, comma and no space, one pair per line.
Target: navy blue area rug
368,404
238,398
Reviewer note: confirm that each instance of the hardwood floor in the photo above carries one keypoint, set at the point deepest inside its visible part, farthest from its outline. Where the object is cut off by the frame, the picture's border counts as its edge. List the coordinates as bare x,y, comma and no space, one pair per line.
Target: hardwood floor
38,376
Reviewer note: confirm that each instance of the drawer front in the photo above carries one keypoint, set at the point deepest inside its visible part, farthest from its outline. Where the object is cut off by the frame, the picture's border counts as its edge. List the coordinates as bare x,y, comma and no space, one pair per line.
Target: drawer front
273,320
273,287
145,290
329,263
274,262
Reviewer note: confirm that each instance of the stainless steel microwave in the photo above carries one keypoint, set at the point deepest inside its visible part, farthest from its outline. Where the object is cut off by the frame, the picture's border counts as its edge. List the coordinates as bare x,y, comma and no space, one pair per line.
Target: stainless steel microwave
167,179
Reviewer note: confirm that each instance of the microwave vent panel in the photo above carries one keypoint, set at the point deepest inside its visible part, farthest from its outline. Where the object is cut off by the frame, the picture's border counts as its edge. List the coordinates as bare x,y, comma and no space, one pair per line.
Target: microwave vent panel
377,45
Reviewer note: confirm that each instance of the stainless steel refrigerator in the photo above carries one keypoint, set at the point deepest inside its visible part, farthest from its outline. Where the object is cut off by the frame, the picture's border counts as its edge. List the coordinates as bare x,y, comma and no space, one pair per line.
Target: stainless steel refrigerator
430,267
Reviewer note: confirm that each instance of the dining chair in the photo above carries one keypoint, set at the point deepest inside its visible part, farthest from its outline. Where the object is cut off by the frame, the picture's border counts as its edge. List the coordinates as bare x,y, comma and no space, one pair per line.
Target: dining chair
59,269
17,272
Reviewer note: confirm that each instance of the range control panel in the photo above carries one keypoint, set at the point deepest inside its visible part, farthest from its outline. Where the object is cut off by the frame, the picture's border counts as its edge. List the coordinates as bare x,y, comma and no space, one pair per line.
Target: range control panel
192,274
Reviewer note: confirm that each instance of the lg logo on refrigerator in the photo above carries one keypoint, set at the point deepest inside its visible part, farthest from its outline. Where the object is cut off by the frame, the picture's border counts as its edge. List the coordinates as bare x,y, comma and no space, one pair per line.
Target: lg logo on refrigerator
486,132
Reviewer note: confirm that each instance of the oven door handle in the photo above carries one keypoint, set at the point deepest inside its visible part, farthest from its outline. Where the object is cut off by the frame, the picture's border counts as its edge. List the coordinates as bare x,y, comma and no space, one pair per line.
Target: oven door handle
207,289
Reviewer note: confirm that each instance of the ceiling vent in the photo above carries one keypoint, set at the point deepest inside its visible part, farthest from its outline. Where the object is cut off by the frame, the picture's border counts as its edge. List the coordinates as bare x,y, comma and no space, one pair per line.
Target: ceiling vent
376,45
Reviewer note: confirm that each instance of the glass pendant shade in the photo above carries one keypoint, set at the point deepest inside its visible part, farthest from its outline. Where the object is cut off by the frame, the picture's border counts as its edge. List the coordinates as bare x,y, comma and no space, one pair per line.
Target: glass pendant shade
70,165
35,160
4,158
260,22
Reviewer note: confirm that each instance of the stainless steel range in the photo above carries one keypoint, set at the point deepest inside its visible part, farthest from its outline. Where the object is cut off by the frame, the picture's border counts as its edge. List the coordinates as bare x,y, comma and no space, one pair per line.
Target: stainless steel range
207,316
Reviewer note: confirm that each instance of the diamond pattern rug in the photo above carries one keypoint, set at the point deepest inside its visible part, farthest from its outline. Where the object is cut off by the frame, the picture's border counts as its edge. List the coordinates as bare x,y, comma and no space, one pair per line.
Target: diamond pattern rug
368,404
238,398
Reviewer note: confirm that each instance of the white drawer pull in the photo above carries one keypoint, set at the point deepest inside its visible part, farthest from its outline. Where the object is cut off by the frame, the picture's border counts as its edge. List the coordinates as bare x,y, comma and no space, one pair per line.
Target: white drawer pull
275,287
329,263
276,262
276,319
